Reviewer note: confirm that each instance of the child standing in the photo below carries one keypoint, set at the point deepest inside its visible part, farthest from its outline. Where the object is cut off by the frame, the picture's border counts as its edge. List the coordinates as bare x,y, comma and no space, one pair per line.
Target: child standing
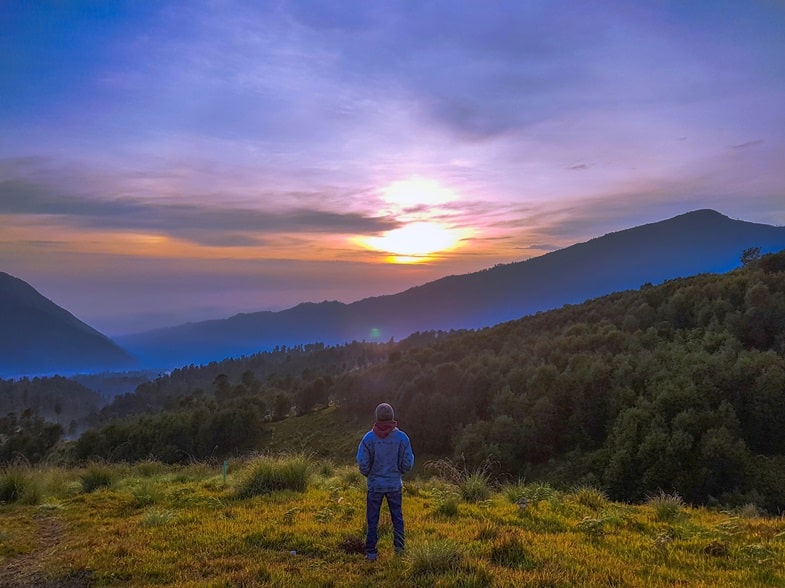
384,455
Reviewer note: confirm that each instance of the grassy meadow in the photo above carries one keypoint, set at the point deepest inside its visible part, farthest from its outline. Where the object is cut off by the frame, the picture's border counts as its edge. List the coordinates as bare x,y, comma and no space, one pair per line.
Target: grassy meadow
294,520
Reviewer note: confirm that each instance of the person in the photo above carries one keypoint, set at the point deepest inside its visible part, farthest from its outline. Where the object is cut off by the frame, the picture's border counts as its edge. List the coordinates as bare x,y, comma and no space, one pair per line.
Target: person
384,455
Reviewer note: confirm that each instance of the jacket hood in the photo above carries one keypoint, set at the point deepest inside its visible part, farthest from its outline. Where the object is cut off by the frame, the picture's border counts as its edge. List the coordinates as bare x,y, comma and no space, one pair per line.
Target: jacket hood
384,428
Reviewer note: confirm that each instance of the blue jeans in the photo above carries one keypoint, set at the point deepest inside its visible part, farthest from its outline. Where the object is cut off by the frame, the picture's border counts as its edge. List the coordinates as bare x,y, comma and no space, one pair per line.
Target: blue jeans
373,505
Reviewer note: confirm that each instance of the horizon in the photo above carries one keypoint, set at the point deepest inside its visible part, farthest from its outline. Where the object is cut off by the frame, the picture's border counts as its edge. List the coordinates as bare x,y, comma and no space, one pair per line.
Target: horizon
164,164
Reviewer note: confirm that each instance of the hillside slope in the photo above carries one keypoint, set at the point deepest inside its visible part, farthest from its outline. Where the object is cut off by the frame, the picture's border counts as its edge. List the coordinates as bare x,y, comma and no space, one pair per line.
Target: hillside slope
693,243
37,336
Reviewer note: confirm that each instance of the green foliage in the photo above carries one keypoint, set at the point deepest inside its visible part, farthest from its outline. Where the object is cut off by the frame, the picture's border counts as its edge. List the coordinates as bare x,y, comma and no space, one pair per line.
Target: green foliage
29,436
269,474
179,437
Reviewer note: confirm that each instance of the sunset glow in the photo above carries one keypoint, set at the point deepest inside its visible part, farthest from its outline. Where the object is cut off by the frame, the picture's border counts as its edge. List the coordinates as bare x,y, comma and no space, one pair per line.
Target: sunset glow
414,242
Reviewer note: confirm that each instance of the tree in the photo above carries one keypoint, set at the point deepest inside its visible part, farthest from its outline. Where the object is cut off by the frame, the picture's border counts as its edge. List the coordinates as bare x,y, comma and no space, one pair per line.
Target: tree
750,255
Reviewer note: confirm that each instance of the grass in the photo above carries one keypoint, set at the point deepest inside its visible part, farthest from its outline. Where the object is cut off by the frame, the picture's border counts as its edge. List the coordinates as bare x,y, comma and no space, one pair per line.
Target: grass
18,485
269,474
156,525
667,507
97,475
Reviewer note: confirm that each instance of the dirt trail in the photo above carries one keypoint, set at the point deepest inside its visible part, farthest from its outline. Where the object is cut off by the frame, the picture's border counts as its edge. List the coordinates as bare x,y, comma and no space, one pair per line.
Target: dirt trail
28,569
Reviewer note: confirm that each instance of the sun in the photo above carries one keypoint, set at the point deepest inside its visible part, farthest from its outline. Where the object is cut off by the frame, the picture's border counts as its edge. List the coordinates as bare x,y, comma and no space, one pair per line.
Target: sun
419,205
414,242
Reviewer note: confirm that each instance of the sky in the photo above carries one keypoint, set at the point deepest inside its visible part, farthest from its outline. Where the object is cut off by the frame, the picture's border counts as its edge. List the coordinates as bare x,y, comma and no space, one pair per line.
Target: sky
164,162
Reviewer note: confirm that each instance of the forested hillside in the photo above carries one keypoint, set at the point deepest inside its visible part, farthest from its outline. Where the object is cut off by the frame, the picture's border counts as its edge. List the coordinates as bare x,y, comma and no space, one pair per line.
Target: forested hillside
678,387
696,242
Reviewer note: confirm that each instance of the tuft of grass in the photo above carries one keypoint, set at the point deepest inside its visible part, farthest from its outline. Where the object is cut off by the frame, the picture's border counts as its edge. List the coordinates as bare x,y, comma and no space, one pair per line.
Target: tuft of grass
270,474
510,553
351,476
17,484
150,468
96,475
59,482
488,532
668,508
590,497
474,485
146,493
528,494
749,511
430,558
446,501
593,528
158,518
326,469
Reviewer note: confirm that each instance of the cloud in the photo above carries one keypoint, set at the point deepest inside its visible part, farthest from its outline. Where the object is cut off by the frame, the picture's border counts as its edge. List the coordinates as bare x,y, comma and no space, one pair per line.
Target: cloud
209,223
747,144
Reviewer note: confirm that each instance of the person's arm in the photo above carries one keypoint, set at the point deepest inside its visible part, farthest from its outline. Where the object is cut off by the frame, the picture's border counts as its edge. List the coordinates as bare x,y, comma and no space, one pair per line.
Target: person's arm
364,458
405,456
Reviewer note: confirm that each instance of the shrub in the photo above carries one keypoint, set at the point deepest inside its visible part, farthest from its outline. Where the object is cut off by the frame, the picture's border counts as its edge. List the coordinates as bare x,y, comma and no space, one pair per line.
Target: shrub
270,474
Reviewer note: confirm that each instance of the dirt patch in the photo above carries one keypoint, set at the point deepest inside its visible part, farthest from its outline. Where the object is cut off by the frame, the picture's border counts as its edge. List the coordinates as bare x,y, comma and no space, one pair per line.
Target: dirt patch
28,569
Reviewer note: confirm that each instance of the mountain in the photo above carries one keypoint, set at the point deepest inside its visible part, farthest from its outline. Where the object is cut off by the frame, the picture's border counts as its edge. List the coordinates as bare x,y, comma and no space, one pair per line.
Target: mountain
39,337
703,241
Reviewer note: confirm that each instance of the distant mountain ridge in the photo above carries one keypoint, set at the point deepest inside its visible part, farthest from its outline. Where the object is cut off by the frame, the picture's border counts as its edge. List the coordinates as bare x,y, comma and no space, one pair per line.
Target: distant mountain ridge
38,337
702,241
